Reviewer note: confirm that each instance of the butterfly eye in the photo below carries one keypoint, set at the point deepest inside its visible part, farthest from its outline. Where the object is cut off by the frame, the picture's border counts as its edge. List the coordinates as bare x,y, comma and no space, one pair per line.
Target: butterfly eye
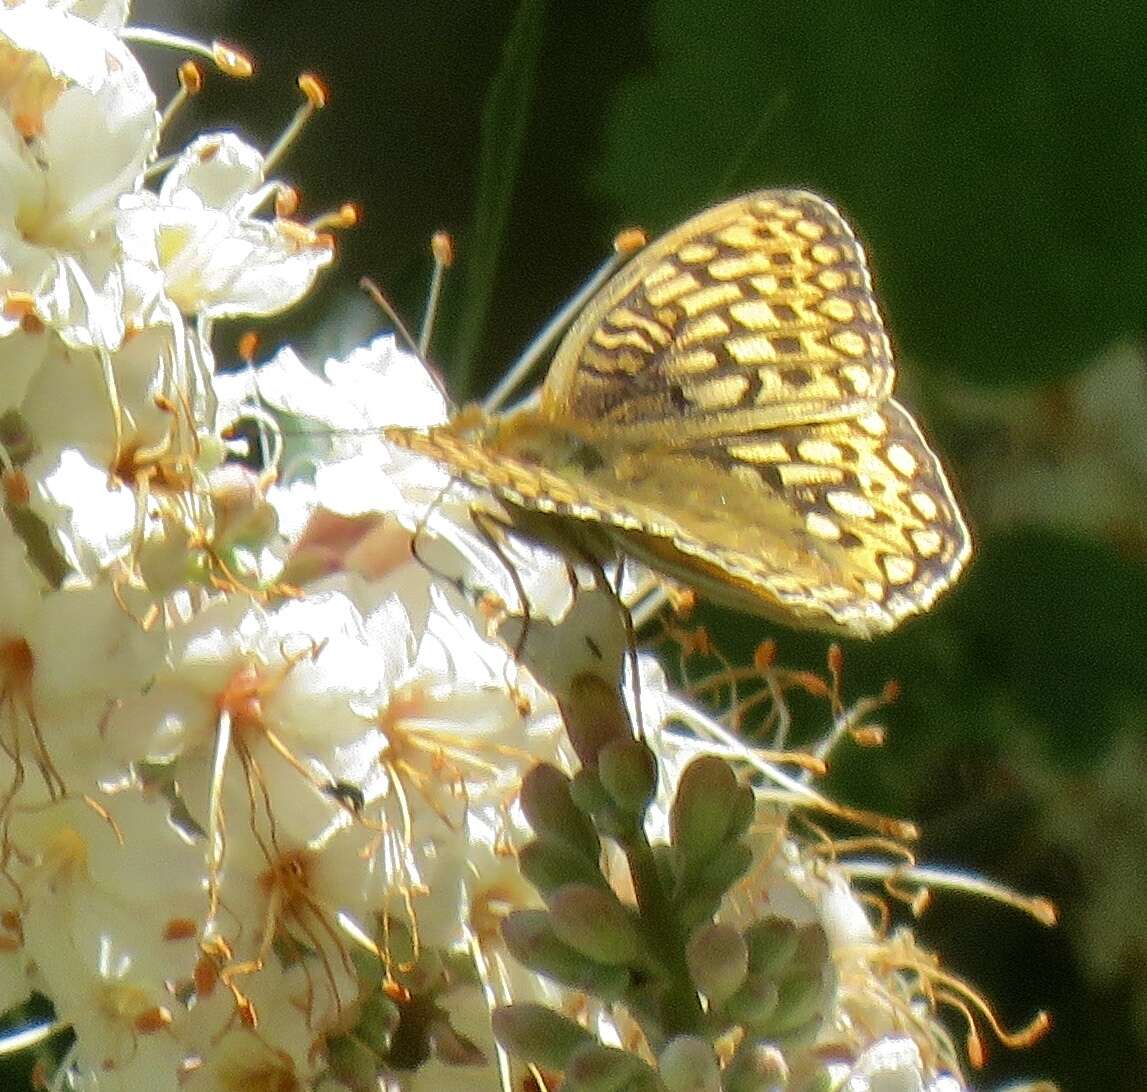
586,457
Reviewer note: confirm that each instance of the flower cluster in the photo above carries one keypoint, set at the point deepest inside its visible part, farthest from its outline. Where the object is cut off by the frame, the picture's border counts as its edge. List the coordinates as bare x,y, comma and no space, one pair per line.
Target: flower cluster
280,777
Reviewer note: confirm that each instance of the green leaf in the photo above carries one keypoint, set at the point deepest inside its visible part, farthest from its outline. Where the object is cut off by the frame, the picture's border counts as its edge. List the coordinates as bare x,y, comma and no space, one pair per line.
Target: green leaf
505,122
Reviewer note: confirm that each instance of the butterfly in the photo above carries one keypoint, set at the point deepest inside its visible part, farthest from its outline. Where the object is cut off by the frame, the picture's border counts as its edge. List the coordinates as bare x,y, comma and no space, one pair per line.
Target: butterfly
722,411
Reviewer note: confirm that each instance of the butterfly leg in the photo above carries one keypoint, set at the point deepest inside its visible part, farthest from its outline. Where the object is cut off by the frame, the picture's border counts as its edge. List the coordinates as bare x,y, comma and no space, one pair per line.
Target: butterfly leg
485,524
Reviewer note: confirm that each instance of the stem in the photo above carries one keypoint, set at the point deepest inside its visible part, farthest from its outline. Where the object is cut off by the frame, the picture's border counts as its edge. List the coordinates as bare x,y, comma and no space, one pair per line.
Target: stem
678,1010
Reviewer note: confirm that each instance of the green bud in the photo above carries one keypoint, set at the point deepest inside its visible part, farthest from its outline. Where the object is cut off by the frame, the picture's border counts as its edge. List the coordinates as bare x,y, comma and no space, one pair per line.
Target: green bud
742,812
799,1000
822,1081
378,1019
597,1068
718,960
756,1067
592,921
530,938
537,1034
552,812
699,817
812,948
594,715
628,770
705,889
589,794
772,944
353,1063
725,867
688,1064
754,1003
549,865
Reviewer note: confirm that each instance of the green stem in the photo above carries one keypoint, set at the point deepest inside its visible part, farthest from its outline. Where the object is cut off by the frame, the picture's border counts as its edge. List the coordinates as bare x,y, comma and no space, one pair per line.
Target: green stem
680,1012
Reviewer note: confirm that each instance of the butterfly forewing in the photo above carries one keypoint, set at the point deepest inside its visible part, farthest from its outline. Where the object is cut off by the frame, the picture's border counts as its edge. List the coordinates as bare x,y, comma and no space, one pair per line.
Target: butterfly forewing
722,410
756,312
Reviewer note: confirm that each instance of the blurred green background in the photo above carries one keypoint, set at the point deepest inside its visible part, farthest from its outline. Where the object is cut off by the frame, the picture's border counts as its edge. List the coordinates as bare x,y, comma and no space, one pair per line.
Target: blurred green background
993,159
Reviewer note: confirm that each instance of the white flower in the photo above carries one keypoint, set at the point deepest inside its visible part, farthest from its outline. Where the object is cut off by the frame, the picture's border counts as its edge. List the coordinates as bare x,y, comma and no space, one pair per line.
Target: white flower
101,887
72,142
217,257
335,423
893,1064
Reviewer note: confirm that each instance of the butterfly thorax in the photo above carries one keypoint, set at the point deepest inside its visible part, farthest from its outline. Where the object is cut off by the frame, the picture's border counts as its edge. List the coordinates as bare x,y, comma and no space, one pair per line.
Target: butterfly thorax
565,447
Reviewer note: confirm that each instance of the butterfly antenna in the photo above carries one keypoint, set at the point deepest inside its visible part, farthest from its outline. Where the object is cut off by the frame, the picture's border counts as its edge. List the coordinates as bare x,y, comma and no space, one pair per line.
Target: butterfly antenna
442,248
625,245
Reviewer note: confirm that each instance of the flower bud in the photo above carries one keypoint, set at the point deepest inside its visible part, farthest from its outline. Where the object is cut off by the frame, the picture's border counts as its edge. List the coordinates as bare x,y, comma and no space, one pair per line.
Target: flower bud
548,865
589,794
754,1003
628,770
553,813
799,1000
699,818
772,944
720,872
597,1068
594,716
538,1034
756,1067
594,923
531,939
718,960
688,1064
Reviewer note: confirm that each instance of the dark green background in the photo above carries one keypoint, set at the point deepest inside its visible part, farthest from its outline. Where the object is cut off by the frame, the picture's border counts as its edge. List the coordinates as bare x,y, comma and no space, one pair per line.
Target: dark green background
993,157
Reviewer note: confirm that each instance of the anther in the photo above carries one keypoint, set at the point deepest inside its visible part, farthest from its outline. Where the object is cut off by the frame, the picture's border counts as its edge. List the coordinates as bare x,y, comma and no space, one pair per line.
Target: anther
190,84
191,77
629,241
442,247
248,346
871,735
347,215
180,929
286,201
765,655
313,88
442,250
19,305
835,660
316,99
231,61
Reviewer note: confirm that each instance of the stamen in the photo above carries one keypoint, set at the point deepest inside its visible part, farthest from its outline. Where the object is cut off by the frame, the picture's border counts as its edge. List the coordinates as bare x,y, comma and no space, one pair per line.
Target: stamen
190,84
442,248
248,346
624,246
1036,906
316,99
19,305
286,201
345,216
228,59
